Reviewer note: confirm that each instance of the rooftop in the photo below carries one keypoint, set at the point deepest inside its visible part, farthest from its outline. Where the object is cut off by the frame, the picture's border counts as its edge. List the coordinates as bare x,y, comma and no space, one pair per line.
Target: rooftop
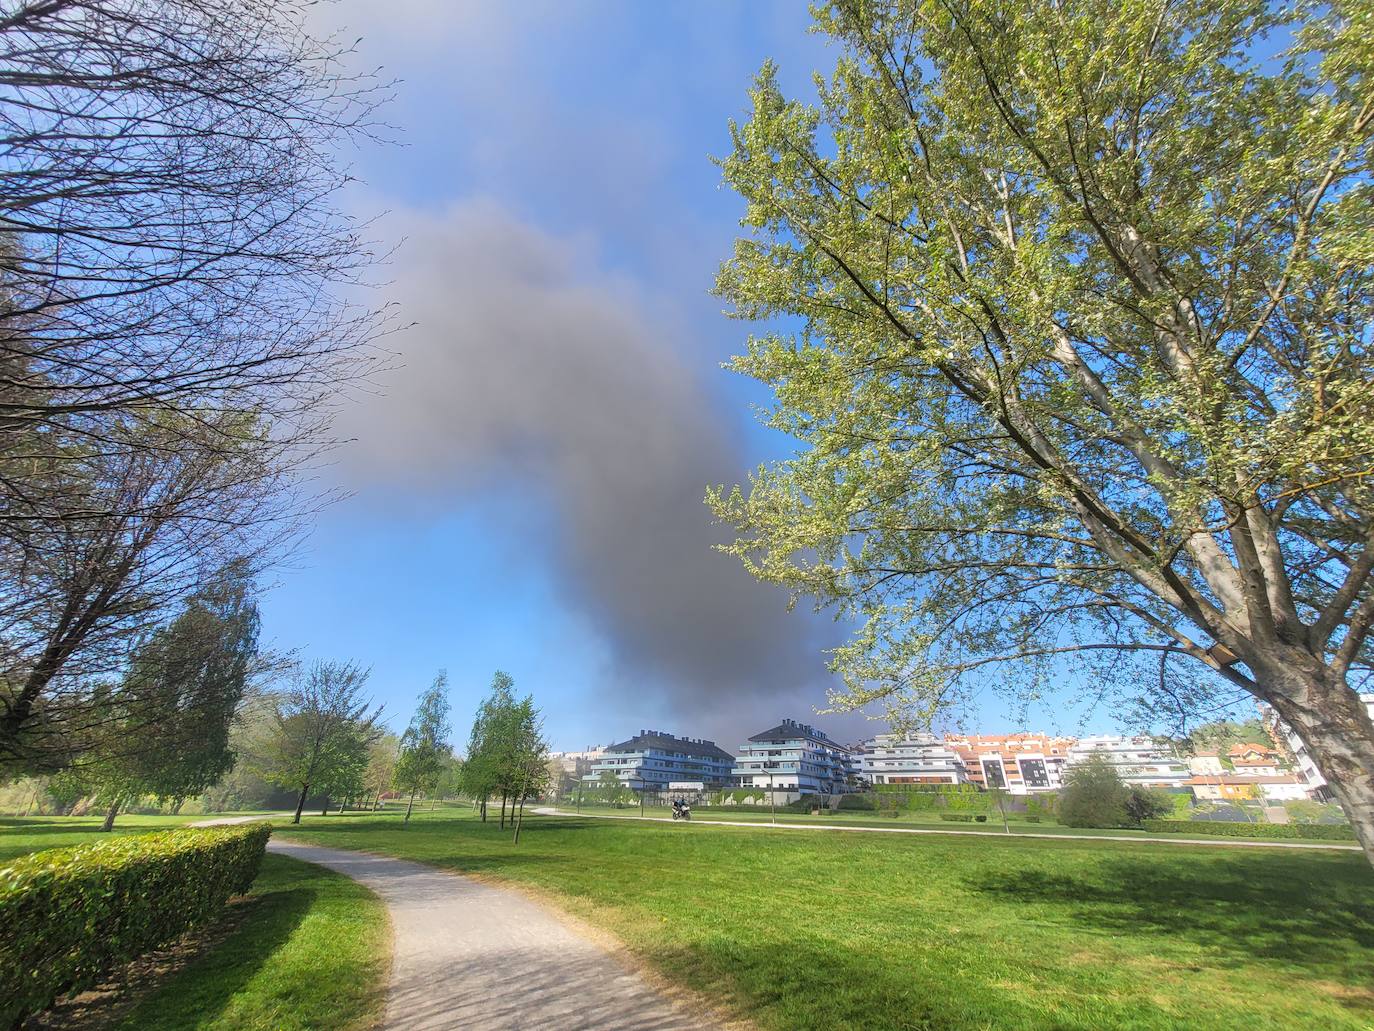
788,730
665,742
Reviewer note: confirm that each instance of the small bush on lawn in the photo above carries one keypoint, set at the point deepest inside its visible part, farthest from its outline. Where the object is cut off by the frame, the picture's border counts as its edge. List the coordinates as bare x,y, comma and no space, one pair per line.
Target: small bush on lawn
1219,829
72,914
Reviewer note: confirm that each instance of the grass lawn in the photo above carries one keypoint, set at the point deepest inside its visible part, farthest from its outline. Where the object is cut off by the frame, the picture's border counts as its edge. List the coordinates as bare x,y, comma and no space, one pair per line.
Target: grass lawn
312,952
833,930
309,948
856,817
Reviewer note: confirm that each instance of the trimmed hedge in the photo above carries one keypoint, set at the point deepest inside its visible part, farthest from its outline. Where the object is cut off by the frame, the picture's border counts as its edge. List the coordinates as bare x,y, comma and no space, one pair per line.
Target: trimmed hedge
1219,829
70,915
964,817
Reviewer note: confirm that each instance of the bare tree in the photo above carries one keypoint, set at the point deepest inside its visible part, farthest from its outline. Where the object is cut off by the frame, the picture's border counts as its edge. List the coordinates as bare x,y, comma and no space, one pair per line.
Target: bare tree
173,328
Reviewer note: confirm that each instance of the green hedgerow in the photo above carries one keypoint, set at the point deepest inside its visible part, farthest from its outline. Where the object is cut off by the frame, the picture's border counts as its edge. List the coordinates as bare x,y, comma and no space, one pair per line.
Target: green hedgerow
1220,829
70,915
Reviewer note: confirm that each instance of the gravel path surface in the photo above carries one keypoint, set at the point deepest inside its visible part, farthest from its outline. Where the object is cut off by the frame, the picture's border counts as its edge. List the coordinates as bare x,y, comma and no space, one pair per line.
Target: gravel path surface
468,955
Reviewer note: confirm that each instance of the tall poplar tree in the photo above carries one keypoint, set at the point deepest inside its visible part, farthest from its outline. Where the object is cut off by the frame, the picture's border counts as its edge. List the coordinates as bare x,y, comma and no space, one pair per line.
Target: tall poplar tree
425,745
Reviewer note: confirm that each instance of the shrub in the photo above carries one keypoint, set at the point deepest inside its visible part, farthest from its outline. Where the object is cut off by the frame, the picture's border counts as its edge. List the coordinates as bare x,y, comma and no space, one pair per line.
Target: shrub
1143,804
867,803
1093,795
957,817
72,914
1218,829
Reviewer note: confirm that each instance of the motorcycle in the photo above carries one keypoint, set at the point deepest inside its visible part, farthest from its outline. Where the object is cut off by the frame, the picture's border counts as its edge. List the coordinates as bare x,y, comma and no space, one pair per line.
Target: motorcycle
682,812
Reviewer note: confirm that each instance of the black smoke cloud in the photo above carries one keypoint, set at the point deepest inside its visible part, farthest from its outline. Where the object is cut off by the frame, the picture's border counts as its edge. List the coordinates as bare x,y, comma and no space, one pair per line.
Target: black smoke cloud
528,368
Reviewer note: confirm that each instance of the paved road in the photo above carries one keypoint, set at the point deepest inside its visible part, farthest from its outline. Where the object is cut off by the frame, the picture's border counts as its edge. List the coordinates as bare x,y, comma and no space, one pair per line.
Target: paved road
1133,839
471,956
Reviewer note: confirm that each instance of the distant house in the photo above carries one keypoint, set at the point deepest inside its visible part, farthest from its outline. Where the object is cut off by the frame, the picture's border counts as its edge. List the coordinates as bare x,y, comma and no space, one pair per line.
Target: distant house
577,764
794,759
1205,763
1256,760
1233,787
910,759
654,759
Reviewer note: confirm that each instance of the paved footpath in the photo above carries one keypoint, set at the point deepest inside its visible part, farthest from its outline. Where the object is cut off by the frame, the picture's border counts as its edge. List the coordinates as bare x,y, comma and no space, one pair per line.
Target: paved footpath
468,955
788,826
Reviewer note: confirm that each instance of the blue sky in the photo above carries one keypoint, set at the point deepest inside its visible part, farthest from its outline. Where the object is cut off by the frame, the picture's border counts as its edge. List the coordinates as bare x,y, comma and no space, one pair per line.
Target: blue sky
526,484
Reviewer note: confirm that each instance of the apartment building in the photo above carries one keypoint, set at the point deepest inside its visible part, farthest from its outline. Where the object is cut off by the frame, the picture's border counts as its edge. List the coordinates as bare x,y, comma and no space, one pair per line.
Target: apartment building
910,759
1021,764
653,759
1137,760
578,764
794,759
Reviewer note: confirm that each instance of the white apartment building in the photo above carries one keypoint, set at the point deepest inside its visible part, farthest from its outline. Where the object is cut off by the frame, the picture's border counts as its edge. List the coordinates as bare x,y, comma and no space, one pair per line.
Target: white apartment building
653,760
794,759
911,759
1137,760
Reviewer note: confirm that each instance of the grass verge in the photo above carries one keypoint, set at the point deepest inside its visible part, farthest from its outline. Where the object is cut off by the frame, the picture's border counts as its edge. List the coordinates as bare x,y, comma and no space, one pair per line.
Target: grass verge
833,930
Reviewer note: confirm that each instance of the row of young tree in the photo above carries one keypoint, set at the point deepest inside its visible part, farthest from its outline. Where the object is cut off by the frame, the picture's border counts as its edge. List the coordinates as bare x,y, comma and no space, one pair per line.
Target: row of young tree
507,754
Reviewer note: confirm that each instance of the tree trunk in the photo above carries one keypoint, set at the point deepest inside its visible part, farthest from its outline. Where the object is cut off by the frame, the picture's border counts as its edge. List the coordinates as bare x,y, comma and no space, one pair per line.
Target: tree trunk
1333,723
110,815
341,806
409,806
503,810
484,810
520,819
300,803
377,801
176,809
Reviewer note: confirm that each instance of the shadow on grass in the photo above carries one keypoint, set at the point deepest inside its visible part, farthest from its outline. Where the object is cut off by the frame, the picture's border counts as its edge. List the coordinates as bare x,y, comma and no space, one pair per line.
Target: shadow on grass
201,989
1275,907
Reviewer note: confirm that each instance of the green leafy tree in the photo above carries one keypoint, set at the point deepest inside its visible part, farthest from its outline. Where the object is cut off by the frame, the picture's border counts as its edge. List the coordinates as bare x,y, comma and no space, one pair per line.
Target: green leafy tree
528,763
1082,372
1093,795
488,744
381,767
425,745
179,697
321,731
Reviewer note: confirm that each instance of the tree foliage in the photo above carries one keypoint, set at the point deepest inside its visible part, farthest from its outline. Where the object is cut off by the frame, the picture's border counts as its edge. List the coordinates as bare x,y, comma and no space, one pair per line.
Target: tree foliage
425,744
321,732
1081,362
167,730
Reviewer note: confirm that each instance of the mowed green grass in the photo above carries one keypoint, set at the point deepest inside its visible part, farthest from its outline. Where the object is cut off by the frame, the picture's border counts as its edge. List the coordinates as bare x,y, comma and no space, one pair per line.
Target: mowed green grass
311,948
1016,823
832,930
312,952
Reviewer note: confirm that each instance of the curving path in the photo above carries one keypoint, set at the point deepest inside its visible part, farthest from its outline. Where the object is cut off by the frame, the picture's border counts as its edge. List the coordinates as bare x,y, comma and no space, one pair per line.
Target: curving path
468,955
